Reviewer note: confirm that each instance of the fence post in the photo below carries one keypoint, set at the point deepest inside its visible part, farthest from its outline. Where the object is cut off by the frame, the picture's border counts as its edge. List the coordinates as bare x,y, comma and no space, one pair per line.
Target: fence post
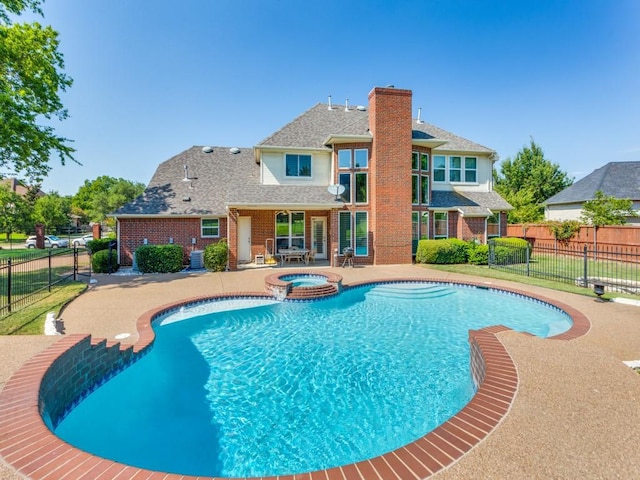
9,285
49,269
527,257
75,263
585,281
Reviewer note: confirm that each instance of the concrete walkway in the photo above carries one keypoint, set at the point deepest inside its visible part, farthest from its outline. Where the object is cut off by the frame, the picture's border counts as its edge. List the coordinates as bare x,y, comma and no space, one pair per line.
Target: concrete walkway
576,413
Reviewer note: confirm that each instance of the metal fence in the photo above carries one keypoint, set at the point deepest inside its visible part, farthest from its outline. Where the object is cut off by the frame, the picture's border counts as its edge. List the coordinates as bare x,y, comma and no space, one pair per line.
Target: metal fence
617,268
26,278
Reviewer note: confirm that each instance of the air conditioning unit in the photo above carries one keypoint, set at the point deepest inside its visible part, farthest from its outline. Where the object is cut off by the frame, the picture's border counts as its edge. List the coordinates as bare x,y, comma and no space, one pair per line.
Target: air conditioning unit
197,260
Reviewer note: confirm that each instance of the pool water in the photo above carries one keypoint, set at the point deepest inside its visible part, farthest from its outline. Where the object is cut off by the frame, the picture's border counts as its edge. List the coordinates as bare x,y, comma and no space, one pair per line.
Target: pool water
299,280
277,388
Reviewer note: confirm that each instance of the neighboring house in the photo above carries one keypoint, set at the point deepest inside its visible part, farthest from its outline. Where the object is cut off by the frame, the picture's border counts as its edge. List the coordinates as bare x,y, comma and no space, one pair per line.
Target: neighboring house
18,187
401,180
615,179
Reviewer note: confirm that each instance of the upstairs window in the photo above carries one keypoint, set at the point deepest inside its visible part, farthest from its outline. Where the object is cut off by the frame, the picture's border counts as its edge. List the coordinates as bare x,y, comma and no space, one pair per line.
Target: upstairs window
424,161
455,169
298,165
344,158
361,158
439,168
415,160
470,169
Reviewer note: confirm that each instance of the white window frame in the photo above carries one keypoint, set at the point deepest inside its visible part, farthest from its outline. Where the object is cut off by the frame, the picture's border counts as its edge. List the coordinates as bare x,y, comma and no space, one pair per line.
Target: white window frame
298,155
202,227
497,216
342,153
356,214
466,170
355,189
355,158
435,227
443,169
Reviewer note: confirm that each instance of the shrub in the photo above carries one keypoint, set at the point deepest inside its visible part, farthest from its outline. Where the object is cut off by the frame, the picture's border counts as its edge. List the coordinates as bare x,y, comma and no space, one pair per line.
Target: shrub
216,256
98,244
159,258
449,250
100,261
479,255
510,250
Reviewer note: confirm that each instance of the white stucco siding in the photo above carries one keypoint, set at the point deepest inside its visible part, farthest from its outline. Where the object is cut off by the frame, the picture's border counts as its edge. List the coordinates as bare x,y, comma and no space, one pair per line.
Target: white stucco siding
272,167
563,212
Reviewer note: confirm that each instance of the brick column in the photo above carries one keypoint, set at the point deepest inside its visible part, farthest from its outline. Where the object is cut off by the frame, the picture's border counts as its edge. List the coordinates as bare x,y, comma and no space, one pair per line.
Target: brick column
232,240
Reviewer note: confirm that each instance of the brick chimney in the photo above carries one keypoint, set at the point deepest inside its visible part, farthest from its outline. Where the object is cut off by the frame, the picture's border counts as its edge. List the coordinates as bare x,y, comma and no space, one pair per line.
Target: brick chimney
390,167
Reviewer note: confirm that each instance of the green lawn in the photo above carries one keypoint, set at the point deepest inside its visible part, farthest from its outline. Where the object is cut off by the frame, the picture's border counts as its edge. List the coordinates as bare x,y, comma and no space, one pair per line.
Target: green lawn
30,320
484,271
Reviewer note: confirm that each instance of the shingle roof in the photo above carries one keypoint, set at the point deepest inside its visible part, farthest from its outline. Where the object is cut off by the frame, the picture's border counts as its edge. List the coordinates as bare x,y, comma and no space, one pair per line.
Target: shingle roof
212,176
616,179
216,180
471,204
312,128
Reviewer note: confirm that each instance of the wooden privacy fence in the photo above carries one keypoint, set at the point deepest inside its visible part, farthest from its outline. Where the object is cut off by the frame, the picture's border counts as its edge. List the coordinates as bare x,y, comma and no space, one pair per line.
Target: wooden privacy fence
621,236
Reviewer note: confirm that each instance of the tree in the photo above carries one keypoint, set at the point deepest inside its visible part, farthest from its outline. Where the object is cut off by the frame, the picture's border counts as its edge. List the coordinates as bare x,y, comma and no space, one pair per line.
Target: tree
99,197
14,211
527,181
31,80
52,210
607,210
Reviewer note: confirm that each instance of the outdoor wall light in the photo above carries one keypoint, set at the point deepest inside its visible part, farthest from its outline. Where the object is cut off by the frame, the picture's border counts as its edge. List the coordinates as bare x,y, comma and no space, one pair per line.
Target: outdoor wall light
170,239
598,289
145,241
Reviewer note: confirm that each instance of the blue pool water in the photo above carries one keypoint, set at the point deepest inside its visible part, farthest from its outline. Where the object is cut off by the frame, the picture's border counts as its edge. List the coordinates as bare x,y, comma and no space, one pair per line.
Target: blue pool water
301,280
254,387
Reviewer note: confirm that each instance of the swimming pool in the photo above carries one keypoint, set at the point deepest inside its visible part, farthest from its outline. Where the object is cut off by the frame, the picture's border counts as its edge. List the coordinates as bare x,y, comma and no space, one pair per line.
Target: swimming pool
237,405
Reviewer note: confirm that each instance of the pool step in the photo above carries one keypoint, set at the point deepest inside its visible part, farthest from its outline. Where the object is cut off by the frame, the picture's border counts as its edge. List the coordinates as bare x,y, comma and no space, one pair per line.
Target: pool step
308,293
409,291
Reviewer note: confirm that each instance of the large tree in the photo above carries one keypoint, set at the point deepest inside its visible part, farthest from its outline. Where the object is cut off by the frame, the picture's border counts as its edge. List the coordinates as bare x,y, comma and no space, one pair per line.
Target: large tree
31,80
99,197
527,181
53,211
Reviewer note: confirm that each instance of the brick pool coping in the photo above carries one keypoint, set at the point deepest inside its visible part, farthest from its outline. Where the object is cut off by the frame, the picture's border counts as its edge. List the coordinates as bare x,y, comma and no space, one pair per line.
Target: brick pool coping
27,444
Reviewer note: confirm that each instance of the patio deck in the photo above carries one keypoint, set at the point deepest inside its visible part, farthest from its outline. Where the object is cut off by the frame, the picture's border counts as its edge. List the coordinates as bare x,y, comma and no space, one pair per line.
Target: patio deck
575,413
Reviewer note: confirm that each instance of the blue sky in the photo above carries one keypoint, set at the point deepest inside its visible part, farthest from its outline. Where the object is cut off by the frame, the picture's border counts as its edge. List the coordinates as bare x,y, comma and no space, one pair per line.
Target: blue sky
154,77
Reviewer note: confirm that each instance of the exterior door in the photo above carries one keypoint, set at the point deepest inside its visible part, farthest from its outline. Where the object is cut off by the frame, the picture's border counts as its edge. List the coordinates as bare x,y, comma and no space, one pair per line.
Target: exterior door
319,236
244,239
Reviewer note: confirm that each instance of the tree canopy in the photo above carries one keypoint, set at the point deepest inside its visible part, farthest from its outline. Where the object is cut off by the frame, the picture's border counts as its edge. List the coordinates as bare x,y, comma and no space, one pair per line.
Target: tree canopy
607,210
99,197
53,211
31,80
527,181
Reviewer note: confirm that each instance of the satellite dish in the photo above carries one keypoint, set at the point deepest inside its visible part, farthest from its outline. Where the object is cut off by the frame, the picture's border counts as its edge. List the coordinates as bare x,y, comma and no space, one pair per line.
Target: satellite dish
336,190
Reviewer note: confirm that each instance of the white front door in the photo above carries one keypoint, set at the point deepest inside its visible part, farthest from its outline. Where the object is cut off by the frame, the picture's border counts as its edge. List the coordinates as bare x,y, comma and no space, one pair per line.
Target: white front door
244,239
319,236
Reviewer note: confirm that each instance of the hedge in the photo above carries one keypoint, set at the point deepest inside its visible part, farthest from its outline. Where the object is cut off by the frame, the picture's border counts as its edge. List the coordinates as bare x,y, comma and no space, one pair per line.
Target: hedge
100,261
216,256
450,250
159,258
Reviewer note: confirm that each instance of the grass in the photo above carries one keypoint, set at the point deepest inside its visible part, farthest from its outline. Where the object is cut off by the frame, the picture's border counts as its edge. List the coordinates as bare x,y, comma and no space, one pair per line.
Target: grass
484,271
30,320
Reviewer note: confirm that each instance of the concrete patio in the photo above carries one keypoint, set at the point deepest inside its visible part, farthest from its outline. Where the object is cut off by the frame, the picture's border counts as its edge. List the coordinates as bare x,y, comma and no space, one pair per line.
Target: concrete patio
576,413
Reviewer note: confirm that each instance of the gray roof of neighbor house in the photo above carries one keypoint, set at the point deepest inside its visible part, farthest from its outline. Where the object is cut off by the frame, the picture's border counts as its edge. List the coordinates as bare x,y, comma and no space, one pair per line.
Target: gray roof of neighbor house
196,182
615,179
312,128
471,204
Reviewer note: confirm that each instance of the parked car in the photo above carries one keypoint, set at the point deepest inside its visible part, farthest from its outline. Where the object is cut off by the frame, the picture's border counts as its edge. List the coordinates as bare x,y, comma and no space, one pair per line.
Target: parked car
82,241
50,241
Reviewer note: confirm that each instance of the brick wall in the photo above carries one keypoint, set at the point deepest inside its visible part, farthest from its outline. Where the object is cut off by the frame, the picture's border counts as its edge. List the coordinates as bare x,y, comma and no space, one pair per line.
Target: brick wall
78,371
390,166
158,231
470,227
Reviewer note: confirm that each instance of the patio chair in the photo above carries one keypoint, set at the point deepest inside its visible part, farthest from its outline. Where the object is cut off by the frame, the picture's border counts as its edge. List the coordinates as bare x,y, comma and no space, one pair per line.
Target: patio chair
311,256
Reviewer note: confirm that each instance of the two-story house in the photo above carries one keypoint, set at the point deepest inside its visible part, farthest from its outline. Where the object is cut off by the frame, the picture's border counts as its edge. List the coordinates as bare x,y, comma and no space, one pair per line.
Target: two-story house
372,178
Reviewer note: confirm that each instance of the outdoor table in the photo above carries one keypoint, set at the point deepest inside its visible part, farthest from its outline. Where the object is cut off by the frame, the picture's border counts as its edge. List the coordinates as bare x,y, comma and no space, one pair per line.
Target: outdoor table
288,254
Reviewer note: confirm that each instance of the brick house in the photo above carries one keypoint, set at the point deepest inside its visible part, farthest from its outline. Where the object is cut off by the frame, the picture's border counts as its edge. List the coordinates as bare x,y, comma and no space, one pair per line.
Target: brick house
368,177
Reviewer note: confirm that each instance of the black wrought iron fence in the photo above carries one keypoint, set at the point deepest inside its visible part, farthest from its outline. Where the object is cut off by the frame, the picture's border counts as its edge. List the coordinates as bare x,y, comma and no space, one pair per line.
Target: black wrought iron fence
618,268
26,278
